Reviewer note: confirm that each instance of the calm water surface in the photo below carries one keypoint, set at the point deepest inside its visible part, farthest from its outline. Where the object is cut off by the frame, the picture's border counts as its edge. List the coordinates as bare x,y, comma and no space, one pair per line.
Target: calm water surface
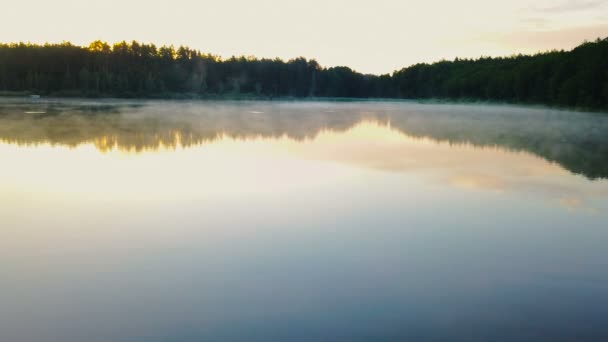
304,221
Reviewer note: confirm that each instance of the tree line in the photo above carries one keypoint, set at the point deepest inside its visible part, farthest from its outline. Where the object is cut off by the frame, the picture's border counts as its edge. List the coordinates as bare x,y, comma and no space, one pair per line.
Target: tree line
576,78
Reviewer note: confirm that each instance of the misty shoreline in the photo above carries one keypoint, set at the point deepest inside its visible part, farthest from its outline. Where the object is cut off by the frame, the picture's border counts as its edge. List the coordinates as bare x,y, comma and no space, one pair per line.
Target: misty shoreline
185,97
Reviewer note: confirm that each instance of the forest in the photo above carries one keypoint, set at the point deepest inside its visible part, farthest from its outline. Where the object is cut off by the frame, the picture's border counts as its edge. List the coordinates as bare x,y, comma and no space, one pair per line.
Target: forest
577,78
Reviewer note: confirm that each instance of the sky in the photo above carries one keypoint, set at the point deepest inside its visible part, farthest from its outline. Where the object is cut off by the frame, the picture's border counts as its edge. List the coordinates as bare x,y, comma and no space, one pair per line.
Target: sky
377,36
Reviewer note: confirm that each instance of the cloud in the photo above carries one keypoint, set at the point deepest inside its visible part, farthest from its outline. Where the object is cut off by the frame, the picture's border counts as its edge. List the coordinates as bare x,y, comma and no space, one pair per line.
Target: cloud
536,22
542,40
570,6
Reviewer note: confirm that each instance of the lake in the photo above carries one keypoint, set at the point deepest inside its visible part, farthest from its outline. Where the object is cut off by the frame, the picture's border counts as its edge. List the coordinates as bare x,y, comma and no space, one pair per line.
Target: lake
301,221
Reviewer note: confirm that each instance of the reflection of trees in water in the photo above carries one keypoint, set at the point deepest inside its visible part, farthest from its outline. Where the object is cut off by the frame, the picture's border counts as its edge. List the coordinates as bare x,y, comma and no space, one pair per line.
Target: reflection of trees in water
577,141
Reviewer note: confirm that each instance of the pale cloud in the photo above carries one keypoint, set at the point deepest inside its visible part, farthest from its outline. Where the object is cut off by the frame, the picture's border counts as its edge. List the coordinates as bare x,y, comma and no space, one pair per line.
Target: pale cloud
542,40
537,22
569,6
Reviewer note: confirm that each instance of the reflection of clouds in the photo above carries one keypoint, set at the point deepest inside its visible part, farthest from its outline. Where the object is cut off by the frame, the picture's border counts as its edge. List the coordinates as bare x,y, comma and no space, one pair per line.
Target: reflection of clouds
477,181
577,204
571,202
376,146
284,162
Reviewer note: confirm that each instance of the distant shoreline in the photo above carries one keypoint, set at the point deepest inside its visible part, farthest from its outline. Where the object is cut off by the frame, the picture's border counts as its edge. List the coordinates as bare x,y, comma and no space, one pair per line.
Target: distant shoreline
566,79
243,97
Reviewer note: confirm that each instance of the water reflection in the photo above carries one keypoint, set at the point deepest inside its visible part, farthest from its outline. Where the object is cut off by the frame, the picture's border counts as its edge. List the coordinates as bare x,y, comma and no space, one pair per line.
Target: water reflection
252,221
576,141
282,148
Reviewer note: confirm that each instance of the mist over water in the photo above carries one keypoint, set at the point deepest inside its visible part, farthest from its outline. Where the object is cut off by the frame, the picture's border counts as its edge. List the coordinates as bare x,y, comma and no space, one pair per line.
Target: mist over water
298,221
575,140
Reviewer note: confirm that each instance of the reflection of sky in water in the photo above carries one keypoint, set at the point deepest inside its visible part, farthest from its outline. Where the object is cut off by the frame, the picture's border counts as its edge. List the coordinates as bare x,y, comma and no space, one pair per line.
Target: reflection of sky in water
356,231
